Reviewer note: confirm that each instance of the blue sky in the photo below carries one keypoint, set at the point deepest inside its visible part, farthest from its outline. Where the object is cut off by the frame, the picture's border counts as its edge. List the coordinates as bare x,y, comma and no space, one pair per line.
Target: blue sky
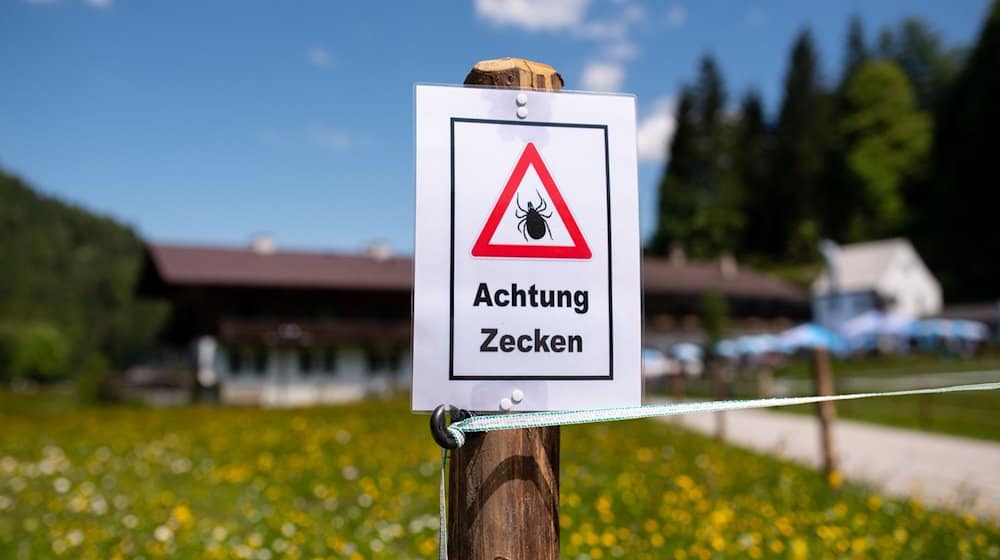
209,122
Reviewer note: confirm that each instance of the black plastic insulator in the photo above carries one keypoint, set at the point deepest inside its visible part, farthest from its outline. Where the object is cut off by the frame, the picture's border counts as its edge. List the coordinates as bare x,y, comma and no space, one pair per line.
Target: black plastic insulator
439,424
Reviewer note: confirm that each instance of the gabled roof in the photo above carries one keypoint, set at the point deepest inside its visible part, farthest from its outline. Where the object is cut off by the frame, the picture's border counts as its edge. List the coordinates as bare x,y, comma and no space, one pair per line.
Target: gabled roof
213,266
861,266
194,266
986,312
694,278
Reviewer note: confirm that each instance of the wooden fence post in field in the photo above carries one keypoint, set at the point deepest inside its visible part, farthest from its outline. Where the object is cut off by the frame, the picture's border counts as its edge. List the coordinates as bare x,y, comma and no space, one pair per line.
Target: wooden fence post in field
924,413
503,487
719,394
677,385
825,411
765,383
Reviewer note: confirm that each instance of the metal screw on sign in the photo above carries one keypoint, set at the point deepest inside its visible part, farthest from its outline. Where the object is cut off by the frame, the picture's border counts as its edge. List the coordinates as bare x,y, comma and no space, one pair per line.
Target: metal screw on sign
522,105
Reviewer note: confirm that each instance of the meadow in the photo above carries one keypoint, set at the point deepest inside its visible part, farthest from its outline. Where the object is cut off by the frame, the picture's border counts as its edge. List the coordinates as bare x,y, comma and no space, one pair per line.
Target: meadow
361,481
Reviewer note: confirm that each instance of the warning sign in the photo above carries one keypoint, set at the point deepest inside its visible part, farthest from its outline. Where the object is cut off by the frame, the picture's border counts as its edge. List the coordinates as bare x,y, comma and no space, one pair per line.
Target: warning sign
527,252
533,217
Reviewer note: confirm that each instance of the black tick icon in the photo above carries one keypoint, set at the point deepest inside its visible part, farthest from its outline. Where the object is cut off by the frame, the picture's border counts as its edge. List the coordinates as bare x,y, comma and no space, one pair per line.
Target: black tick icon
533,220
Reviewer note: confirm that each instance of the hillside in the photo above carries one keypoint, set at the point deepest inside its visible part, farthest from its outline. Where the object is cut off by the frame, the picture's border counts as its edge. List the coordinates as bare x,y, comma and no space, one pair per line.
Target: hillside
66,287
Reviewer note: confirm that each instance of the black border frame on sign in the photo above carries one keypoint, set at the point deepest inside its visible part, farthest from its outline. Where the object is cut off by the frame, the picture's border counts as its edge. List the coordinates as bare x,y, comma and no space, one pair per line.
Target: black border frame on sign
451,278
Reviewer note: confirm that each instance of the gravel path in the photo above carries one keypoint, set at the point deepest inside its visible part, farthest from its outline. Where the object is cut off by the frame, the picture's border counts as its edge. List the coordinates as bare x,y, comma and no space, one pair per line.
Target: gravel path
957,473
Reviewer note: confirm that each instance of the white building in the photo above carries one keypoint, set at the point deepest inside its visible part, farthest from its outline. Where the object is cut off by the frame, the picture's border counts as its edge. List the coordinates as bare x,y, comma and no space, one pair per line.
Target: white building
886,275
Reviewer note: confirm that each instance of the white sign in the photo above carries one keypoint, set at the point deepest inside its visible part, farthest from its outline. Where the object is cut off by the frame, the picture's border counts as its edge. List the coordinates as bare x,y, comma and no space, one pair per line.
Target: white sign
526,288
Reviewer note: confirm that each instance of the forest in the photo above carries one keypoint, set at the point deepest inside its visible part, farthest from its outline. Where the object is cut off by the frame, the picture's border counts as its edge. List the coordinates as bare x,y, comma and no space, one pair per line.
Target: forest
67,301
900,143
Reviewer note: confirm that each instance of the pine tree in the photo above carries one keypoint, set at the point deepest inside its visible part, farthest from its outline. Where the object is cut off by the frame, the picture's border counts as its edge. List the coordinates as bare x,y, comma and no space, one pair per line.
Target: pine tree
959,235
710,93
753,167
699,196
840,195
927,63
801,142
678,196
856,48
719,220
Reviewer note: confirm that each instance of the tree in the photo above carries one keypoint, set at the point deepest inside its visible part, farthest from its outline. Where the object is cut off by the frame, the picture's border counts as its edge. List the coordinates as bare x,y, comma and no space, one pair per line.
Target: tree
753,167
801,141
839,196
961,242
929,66
718,222
856,49
885,139
699,198
678,195
714,316
35,351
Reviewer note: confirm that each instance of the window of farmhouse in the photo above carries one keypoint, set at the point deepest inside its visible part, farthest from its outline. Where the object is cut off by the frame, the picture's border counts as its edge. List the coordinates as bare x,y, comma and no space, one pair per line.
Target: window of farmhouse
260,360
305,360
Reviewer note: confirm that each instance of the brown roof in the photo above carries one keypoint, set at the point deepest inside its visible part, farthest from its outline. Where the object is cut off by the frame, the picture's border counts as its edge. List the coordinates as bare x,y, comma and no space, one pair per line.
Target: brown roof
986,312
666,276
208,266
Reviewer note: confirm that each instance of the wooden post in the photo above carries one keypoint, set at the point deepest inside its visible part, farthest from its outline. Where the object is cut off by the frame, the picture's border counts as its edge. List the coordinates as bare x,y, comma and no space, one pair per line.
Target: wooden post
719,394
765,383
504,486
924,411
825,411
677,385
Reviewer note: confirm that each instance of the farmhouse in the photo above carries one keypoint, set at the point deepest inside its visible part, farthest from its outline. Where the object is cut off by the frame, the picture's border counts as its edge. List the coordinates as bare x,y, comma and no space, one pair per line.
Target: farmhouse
886,275
283,328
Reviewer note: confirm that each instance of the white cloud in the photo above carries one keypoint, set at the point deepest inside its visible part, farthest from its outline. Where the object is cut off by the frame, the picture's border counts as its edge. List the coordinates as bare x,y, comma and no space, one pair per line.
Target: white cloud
331,139
616,28
602,29
621,50
318,56
654,131
677,16
533,15
602,76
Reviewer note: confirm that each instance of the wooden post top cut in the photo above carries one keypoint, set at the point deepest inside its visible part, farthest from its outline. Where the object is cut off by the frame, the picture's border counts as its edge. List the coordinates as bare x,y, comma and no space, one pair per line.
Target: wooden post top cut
515,73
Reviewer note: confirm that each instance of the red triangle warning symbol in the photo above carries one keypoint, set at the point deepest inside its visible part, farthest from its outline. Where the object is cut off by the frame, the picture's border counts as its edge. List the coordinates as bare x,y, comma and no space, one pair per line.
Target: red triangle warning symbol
538,227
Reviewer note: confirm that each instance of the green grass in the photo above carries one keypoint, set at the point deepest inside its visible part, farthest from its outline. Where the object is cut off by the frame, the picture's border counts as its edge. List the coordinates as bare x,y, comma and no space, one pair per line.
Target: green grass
360,481
894,366
975,415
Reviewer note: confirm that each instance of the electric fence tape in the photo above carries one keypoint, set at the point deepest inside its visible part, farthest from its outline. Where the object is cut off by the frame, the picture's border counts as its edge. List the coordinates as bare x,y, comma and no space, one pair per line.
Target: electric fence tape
496,422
